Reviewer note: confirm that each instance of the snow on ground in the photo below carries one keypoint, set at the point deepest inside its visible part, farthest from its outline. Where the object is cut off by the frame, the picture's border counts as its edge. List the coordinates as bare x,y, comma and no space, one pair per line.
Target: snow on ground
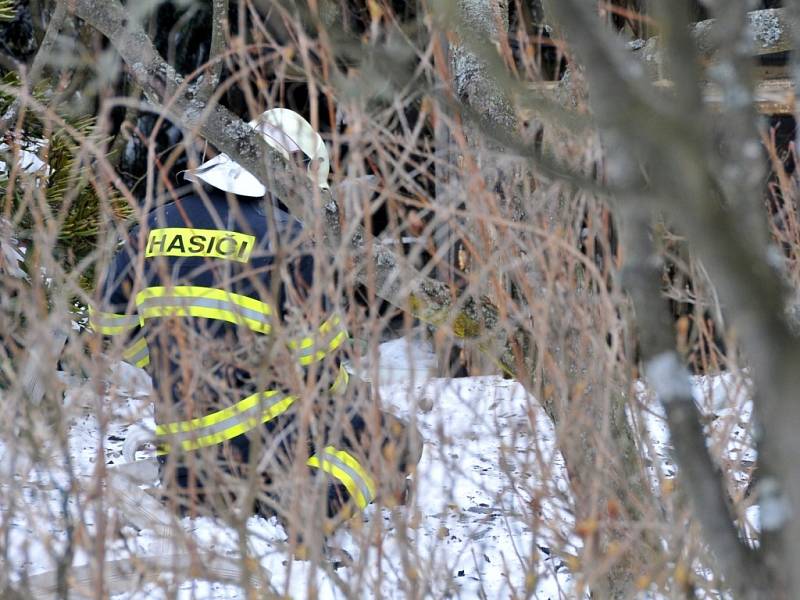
28,160
491,501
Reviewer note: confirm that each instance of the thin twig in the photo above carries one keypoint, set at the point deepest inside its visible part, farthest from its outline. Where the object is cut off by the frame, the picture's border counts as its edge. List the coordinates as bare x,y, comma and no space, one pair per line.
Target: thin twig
219,31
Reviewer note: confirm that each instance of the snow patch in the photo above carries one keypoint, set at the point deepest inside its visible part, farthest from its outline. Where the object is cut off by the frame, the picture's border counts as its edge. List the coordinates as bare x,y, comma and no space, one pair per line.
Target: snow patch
28,160
668,377
490,517
775,507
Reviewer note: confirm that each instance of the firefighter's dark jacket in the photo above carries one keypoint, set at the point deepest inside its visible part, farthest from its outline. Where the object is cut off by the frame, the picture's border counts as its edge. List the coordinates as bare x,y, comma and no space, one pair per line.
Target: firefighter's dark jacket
230,274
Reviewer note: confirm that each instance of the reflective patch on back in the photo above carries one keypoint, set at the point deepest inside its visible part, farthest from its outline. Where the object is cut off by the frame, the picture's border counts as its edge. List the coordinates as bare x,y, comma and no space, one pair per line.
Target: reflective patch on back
210,243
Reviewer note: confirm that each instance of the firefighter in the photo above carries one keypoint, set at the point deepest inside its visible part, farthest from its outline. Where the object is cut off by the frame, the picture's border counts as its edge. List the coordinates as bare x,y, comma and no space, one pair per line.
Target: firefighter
214,294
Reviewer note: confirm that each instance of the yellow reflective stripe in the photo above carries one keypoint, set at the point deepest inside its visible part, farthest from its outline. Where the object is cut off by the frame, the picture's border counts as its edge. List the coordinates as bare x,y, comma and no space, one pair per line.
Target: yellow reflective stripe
196,291
233,414
137,353
324,329
311,358
212,243
328,325
343,476
344,467
108,323
337,341
304,343
204,302
306,347
216,417
233,417
351,462
205,313
233,431
308,359
341,381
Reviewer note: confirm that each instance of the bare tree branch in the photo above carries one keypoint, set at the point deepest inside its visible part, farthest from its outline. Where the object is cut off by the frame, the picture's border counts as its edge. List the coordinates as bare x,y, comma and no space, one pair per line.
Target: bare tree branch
703,483
219,28
737,257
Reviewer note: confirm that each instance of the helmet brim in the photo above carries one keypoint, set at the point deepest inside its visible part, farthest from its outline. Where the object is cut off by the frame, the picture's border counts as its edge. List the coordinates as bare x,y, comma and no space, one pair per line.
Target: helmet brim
224,174
283,130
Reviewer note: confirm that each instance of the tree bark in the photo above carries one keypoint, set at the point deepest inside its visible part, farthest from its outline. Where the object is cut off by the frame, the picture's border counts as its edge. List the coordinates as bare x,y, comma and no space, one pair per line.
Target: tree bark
219,30
485,22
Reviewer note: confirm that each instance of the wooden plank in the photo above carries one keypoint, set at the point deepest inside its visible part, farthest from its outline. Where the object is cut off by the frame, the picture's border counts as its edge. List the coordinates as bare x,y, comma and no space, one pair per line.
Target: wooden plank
775,71
771,96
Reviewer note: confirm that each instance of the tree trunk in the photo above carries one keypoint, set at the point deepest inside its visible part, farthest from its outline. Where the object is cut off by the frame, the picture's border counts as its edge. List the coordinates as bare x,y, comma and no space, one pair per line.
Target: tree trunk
467,148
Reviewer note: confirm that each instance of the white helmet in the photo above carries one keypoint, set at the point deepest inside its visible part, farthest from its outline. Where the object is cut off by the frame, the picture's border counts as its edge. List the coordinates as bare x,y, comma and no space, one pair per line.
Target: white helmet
285,131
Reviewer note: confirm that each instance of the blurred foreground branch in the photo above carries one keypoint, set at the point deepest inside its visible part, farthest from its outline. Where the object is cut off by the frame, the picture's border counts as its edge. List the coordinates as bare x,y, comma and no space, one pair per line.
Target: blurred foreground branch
744,568
674,145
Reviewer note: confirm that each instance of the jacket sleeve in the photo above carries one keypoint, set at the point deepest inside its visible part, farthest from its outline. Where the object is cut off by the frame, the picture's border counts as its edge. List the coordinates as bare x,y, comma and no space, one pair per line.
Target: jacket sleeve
318,335
114,315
